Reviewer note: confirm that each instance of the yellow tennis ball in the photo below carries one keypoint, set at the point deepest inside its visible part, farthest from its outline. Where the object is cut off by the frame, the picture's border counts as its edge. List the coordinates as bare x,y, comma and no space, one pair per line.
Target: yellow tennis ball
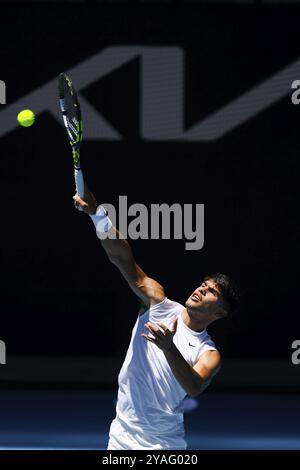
26,118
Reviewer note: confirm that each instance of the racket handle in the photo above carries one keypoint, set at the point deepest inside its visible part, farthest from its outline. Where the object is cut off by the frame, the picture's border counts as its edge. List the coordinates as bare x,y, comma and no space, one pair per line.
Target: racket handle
79,182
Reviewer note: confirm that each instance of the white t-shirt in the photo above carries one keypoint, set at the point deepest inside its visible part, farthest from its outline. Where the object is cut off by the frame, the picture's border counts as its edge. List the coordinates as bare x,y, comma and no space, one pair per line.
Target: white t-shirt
149,412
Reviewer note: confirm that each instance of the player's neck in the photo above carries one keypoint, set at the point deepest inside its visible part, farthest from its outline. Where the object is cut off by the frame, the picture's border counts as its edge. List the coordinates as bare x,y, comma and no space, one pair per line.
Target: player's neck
198,324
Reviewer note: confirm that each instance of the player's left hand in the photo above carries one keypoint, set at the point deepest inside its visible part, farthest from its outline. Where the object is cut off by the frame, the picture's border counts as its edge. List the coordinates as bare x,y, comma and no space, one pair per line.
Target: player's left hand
163,337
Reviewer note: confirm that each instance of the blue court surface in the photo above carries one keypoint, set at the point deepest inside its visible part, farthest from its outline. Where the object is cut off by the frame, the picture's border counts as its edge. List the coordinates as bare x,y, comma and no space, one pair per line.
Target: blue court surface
80,419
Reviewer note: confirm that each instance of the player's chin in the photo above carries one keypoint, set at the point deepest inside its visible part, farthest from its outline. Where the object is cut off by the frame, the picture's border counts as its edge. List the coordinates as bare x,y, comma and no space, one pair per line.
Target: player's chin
191,304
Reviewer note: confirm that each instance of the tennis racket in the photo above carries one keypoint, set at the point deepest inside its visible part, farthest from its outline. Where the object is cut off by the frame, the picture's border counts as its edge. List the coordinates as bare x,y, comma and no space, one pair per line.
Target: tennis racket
71,114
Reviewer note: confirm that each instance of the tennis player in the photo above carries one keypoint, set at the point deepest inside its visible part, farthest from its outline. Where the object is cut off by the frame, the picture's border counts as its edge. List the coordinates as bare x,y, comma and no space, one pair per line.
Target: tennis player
170,355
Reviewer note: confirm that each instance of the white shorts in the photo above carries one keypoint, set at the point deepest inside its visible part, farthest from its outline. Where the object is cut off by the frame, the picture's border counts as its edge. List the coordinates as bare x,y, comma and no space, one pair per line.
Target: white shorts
126,439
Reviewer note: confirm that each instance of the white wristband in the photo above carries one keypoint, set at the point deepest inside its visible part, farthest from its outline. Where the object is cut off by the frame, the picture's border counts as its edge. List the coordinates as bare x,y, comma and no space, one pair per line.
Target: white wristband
101,220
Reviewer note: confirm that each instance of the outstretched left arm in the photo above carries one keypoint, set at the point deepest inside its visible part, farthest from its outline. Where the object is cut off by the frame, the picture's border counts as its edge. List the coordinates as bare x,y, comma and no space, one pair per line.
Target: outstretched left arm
192,379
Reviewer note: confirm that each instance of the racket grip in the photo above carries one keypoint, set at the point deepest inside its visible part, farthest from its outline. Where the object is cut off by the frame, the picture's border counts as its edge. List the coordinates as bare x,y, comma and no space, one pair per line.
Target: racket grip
79,182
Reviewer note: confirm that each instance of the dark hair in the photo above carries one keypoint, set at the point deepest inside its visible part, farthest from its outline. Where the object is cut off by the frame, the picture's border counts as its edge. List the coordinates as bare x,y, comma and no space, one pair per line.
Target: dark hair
228,288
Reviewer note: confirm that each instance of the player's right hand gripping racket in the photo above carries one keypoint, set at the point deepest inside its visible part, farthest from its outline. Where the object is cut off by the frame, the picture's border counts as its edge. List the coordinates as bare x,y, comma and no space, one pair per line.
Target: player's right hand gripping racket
71,113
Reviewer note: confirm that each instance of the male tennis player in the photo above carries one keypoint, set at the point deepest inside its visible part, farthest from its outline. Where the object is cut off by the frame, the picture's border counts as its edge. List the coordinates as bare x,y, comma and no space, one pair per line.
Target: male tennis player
175,358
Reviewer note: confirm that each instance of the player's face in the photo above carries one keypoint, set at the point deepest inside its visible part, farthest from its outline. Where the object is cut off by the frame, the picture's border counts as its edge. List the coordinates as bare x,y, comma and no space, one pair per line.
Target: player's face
206,298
